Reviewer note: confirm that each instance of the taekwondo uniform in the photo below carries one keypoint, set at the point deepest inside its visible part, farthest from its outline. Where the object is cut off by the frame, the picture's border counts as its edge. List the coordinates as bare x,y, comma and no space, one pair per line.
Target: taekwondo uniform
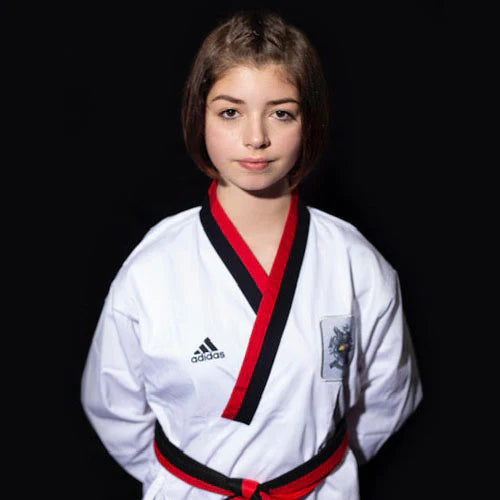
208,379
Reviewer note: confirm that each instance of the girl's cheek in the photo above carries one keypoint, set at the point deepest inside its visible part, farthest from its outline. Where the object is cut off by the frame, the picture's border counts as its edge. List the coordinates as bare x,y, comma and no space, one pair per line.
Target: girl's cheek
221,137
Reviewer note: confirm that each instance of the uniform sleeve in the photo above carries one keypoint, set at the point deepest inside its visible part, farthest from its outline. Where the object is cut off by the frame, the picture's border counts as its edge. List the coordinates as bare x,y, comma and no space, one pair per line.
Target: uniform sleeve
112,391
389,380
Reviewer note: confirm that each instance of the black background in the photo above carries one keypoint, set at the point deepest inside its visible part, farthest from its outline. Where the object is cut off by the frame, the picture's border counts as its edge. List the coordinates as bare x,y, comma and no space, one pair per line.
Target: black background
388,170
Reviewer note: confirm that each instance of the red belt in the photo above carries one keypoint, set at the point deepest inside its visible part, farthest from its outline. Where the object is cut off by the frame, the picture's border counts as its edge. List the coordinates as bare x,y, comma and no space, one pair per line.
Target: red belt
289,486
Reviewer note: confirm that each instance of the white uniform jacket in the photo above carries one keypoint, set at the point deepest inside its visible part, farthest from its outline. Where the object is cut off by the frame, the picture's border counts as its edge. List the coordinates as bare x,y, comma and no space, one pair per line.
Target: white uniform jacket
248,373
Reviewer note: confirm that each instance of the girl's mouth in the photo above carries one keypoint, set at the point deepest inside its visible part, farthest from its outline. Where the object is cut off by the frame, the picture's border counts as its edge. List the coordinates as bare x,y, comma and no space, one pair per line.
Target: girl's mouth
254,165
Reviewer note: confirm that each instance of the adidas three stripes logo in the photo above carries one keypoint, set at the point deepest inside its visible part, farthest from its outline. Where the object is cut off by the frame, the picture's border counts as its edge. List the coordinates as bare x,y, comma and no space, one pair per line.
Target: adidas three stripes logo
206,352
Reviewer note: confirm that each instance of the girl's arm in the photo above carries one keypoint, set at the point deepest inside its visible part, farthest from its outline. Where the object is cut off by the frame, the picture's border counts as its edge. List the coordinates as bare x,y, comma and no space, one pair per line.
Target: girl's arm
112,391
389,378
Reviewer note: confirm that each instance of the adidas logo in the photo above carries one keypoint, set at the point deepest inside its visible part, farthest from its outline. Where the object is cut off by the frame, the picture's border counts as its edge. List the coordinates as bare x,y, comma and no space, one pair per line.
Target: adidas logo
206,351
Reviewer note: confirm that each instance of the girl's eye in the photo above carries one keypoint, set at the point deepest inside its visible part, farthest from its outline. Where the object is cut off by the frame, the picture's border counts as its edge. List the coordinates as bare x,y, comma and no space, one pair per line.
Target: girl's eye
284,115
229,114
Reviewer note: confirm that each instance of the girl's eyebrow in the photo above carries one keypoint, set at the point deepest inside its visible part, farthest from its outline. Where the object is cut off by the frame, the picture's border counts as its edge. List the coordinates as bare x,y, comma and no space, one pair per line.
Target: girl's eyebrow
239,101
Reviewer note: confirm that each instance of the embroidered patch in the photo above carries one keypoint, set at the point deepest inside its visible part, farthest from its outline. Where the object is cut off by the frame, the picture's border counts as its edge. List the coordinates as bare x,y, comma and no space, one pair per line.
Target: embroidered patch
338,346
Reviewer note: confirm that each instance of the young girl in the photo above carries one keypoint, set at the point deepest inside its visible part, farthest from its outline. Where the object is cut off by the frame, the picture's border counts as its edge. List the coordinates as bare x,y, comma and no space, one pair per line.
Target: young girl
251,347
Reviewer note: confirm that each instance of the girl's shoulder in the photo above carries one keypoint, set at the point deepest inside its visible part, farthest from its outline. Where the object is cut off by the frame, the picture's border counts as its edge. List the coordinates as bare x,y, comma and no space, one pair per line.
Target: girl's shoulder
340,231
348,243
172,234
165,232
333,224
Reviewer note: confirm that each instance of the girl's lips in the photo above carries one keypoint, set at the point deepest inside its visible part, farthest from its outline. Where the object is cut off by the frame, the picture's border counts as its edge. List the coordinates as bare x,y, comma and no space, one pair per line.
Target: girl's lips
254,165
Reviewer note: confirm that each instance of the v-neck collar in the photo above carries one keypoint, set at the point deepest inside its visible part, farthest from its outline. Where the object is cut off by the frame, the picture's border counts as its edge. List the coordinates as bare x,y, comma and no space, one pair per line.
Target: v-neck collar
236,241
269,296
236,254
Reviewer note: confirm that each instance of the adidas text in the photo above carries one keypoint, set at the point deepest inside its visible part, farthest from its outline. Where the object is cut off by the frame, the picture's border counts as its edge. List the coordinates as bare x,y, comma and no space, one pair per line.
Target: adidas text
207,357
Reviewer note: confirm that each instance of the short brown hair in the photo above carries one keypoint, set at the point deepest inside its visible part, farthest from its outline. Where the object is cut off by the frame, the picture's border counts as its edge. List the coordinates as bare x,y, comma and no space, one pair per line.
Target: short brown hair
258,37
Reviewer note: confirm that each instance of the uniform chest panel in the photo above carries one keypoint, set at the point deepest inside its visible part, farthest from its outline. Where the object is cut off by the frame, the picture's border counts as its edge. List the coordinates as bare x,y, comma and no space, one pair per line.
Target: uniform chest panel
231,333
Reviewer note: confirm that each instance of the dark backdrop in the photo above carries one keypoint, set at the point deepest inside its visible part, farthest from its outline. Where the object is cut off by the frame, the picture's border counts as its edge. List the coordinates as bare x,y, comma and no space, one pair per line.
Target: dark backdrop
386,171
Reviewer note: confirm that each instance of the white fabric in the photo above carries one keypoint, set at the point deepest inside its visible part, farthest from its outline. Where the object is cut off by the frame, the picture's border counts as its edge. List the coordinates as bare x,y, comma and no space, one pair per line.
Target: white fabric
174,291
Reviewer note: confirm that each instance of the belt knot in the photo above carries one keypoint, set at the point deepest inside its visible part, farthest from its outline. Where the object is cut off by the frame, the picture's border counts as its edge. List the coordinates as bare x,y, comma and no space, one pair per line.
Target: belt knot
248,488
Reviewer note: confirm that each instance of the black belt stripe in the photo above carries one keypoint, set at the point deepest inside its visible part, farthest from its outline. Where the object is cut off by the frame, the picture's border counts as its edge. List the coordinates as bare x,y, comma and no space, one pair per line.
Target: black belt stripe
199,471
190,466
331,444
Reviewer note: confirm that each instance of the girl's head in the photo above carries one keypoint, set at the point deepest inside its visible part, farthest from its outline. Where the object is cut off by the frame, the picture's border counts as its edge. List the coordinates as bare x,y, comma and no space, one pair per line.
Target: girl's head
258,40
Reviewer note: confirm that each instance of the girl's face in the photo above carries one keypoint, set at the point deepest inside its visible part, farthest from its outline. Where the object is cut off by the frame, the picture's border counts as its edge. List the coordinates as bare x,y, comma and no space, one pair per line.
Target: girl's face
253,128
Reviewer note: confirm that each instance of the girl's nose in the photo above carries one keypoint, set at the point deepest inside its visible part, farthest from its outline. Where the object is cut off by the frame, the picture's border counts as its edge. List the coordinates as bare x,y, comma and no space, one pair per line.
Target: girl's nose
255,133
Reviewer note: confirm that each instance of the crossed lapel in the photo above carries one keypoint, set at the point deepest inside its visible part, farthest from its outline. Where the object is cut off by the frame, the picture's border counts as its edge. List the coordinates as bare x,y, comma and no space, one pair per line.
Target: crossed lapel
269,296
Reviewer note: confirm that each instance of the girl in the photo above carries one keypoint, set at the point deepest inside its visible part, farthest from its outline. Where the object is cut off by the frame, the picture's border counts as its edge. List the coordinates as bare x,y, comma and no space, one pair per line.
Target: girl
251,347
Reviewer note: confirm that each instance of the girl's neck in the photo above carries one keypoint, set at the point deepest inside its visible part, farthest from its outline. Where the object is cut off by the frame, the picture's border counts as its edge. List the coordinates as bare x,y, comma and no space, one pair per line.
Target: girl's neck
250,211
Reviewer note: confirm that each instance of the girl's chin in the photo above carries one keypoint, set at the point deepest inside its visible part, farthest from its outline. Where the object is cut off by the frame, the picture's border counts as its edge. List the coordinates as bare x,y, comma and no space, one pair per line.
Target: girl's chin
263,186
